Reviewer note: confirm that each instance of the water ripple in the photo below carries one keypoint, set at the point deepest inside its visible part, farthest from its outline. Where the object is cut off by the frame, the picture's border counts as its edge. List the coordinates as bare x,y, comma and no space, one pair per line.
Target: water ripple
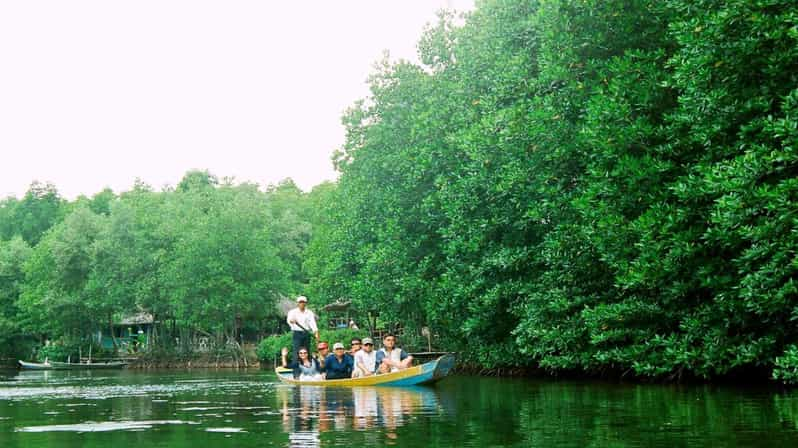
103,426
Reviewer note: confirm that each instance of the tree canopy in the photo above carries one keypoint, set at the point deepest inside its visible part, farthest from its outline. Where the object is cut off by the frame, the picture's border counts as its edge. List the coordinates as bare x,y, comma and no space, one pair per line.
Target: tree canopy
581,185
208,255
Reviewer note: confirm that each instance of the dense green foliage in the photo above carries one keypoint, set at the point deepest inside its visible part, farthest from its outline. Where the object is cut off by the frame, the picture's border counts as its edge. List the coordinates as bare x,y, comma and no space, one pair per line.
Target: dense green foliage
13,255
581,185
207,257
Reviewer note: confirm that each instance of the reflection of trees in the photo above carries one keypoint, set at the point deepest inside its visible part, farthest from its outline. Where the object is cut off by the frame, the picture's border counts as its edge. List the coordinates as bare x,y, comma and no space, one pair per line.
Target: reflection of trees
597,415
310,411
501,412
496,412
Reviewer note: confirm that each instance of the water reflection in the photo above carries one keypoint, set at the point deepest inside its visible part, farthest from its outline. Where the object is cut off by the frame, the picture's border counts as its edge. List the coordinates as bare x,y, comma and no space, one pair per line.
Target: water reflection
250,409
309,411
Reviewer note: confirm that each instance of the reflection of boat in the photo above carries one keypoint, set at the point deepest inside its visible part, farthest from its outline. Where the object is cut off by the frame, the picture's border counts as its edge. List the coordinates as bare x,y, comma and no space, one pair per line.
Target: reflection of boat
426,373
53,365
310,411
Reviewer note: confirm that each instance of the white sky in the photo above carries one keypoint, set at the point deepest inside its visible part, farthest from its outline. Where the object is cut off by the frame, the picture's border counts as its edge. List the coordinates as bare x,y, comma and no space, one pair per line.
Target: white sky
97,93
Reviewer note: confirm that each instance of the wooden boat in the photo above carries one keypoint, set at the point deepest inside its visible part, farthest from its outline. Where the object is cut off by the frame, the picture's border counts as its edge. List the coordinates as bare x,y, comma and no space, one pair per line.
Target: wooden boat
426,373
53,365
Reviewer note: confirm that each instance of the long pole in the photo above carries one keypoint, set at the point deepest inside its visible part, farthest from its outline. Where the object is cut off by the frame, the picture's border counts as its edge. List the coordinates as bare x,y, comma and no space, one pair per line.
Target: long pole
303,328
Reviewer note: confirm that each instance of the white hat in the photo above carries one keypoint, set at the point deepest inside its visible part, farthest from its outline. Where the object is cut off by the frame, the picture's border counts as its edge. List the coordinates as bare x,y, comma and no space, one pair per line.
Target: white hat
337,345
301,299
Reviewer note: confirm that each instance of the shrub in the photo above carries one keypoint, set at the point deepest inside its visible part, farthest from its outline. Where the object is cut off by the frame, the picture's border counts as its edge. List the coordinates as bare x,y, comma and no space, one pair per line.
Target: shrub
269,347
62,351
786,368
58,351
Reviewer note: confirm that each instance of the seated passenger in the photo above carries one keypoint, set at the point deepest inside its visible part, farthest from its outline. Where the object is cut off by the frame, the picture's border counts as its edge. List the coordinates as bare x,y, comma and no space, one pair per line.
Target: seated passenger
323,350
305,368
340,364
354,346
390,358
365,360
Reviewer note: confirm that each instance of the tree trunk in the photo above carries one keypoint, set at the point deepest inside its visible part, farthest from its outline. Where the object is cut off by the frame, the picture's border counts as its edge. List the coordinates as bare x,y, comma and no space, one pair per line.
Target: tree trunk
153,340
237,328
111,328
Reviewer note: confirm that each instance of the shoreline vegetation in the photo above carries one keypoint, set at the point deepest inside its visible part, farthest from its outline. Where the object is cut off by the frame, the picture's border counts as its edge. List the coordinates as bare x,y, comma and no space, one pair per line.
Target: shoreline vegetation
574,187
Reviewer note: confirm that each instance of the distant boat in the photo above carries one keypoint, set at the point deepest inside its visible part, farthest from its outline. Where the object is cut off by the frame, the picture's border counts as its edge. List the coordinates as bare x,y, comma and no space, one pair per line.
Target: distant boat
426,373
53,365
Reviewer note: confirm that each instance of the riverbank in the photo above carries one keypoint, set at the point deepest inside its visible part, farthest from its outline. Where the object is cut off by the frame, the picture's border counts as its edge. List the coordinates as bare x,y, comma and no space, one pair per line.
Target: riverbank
250,361
193,364
747,377
227,359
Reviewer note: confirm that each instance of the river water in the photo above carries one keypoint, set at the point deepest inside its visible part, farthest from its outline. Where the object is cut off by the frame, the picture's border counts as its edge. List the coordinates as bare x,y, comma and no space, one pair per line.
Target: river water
202,409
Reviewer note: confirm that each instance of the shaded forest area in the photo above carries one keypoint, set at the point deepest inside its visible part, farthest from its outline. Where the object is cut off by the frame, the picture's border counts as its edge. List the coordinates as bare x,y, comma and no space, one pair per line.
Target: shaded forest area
572,185
207,258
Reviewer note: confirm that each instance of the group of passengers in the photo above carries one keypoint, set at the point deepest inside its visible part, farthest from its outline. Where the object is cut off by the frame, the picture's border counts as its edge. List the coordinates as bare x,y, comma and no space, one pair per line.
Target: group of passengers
360,360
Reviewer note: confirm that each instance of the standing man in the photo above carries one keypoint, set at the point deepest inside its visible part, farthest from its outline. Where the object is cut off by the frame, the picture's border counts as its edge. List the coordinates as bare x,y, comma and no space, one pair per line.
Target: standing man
302,322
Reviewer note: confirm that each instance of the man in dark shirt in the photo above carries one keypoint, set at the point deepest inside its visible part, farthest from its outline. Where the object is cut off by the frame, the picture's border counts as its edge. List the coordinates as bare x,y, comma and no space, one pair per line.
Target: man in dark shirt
340,364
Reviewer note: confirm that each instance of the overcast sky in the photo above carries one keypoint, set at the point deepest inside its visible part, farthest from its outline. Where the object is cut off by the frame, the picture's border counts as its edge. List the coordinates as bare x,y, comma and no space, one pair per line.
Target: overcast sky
97,93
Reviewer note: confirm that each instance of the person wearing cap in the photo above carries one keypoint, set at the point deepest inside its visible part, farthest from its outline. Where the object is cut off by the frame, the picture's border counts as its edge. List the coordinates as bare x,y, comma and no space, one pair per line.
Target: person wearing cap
303,323
354,346
390,358
365,360
323,350
340,364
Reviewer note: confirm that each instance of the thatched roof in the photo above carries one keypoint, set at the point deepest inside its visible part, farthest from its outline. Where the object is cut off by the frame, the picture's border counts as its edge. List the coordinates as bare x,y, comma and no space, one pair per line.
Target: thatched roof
139,318
338,305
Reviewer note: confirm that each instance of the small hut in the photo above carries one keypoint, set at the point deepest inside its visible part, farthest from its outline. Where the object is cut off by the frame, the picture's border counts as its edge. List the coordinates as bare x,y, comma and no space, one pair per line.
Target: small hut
339,314
129,330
